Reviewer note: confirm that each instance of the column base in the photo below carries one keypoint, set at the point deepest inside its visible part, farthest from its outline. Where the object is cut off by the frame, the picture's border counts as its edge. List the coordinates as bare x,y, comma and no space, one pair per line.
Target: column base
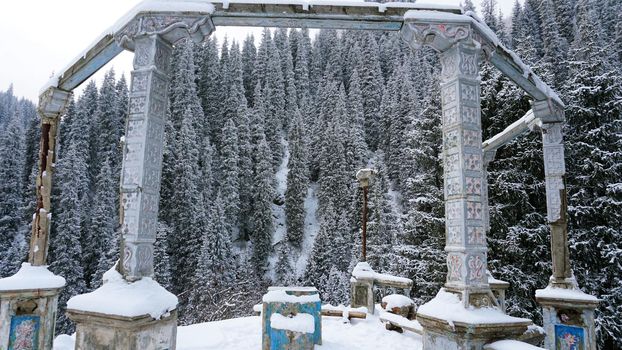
28,304
448,325
96,331
125,316
568,316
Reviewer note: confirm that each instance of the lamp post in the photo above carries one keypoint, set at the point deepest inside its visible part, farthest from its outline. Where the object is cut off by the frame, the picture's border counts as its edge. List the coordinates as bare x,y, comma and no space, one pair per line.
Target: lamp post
364,175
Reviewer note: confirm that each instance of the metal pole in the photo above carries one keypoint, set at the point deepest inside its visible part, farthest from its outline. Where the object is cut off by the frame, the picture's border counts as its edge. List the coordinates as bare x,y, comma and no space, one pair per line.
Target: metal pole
365,223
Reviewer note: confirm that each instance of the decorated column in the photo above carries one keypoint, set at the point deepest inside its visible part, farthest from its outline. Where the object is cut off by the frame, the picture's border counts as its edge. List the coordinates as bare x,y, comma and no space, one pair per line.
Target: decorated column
463,163
131,311
567,312
142,156
453,319
29,299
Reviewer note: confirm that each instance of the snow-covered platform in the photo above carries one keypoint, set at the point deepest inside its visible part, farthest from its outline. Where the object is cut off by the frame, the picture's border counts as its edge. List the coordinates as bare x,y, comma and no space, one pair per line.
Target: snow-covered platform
245,333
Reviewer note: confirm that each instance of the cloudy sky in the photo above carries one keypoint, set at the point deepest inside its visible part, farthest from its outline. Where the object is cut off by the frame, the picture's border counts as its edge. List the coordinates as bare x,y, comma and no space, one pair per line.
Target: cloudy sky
40,37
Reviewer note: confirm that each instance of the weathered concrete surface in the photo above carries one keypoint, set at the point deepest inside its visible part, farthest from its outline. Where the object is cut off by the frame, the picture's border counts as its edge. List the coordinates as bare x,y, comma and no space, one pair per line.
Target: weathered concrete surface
104,332
40,304
362,293
561,315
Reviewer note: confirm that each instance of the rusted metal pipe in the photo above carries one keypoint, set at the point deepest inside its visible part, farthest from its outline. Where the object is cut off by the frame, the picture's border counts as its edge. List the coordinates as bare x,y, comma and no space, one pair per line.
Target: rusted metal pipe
365,190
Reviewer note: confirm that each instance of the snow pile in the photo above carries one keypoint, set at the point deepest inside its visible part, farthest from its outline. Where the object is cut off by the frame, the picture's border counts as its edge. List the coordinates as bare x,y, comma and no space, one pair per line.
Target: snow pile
397,300
402,321
245,333
32,277
510,345
562,293
280,296
118,297
447,306
302,323
362,270
64,342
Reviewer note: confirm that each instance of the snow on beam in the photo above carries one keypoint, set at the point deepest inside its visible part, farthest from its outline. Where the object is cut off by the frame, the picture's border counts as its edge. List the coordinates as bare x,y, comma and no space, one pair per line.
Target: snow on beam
510,133
318,14
294,13
97,57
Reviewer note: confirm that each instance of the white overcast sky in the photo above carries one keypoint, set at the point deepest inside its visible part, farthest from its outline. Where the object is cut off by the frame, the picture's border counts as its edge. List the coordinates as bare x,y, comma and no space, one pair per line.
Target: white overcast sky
40,37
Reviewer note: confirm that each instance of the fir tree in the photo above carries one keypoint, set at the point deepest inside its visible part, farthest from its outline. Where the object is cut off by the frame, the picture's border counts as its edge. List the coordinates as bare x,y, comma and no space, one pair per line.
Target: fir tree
263,224
103,224
230,178
297,183
161,261
11,163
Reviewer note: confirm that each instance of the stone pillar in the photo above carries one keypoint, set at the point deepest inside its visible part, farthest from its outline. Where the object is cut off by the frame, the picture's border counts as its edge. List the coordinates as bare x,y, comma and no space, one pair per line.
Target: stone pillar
101,324
463,163
142,155
446,319
567,312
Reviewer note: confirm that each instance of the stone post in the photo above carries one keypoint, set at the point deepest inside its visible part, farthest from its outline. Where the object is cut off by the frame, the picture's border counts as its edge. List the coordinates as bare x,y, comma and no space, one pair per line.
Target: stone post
466,288
142,155
567,311
100,322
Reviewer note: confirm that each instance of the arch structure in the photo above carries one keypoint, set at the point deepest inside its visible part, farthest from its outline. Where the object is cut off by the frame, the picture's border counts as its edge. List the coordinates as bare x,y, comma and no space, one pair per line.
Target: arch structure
465,314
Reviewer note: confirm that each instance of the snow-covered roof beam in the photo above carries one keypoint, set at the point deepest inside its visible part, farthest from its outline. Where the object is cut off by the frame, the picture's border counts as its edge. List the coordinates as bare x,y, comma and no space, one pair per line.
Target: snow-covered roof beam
272,13
318,14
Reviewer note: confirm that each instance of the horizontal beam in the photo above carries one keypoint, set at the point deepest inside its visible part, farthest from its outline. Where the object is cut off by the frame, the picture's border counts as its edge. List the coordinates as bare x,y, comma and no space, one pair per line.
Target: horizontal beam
357,16
510,133
97,57
306,23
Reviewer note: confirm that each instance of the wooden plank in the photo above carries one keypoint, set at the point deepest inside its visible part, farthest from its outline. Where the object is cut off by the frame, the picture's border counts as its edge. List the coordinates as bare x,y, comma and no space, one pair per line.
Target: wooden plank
339,313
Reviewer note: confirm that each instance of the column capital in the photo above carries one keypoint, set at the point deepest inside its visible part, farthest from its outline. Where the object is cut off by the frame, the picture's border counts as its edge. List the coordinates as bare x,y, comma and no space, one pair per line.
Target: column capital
547,111
172,27
53,102
439,35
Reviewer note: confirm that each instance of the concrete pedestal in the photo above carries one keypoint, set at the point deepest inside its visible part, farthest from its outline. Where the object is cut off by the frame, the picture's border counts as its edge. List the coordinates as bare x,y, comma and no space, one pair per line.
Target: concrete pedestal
568,318
28,304
28,317
362,293
449,325
102,332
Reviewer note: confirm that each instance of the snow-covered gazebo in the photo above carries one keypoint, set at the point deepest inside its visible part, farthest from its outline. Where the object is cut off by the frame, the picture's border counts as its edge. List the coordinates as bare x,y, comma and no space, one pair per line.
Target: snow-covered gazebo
464,315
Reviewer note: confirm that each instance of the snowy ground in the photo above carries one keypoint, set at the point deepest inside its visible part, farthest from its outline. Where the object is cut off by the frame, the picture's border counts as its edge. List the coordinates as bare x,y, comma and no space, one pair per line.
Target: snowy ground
245,334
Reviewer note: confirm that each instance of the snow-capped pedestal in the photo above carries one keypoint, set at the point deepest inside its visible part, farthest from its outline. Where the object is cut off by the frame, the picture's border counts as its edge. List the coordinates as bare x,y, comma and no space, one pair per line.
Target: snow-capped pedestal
124,315
28,304
362,285
568,316
448,324
291,318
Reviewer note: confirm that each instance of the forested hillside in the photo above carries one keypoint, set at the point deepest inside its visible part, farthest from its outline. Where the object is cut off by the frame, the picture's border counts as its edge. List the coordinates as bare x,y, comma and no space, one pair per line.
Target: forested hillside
263,142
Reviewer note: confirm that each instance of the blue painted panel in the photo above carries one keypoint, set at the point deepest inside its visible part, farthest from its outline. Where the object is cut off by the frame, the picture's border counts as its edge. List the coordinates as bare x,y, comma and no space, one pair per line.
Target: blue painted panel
569,338
24,333
277,339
